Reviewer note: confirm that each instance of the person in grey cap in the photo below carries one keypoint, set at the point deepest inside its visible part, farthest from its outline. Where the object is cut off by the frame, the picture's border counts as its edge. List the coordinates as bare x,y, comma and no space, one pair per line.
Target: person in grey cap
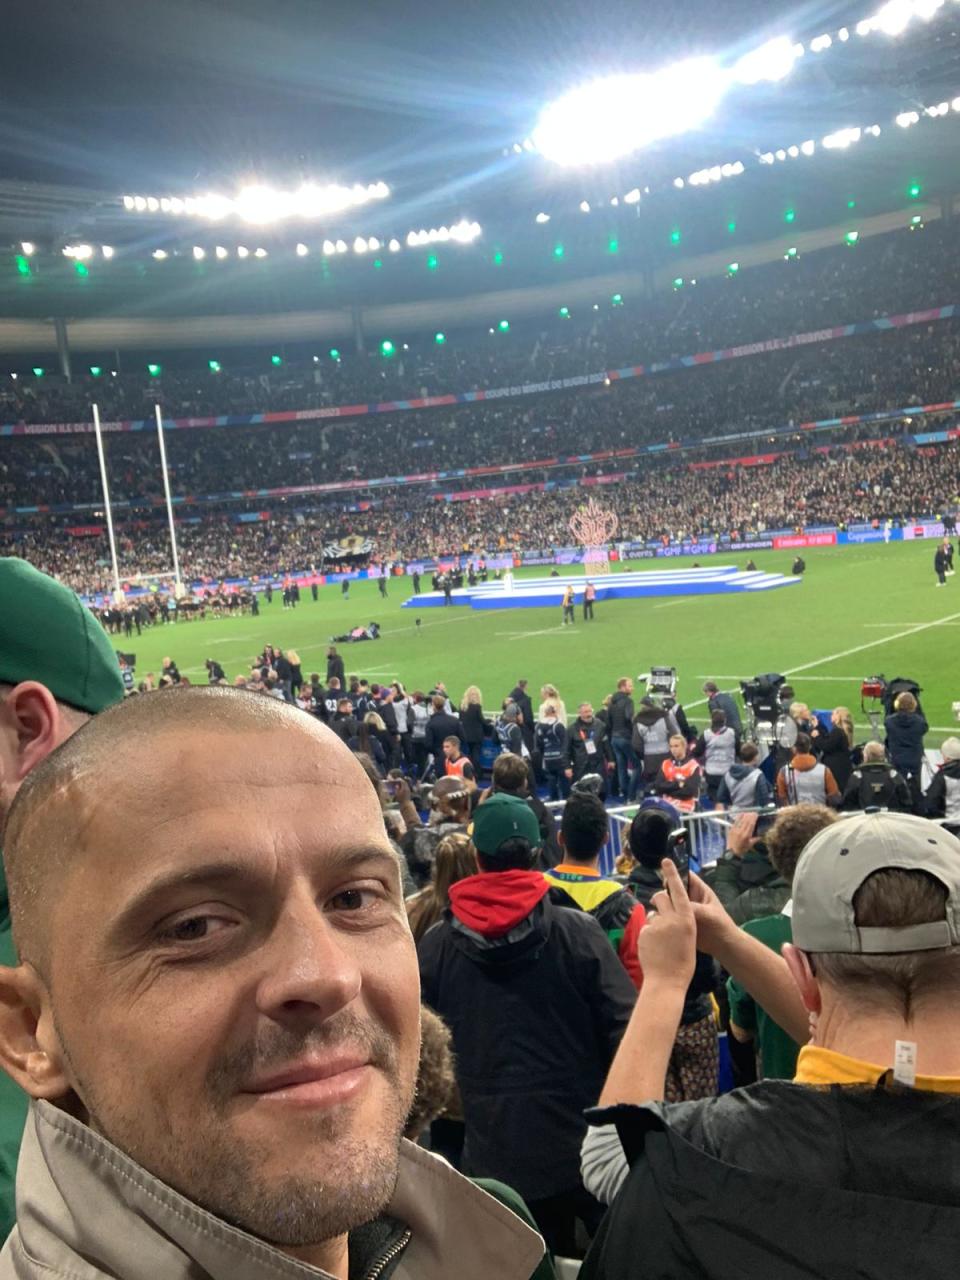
849,1169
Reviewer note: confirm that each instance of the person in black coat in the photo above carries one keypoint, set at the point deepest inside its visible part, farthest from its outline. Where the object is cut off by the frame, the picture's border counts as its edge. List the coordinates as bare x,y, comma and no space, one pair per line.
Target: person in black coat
833,748
474,724
335,667
940,565
518,695
905,730
442,725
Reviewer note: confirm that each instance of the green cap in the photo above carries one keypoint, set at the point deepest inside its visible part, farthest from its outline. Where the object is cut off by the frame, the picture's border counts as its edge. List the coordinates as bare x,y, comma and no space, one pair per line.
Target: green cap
48,635
842,856
501,818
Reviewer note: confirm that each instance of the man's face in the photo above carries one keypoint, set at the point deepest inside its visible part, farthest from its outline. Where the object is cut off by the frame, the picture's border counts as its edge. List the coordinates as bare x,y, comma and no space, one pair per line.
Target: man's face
235,988
586,713
451,750
678,749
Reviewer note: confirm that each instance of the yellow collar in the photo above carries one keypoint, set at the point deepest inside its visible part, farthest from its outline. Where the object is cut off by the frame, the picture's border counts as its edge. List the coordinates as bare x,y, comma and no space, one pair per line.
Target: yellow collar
819,1066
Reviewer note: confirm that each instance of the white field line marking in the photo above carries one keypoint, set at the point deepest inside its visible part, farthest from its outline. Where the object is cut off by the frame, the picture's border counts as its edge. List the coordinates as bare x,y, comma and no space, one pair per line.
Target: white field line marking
905,624
845,653
831,679
669,604
548,631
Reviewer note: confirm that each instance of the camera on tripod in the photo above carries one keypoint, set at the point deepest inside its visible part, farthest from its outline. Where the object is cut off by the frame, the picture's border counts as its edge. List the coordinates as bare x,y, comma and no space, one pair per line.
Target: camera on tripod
662,686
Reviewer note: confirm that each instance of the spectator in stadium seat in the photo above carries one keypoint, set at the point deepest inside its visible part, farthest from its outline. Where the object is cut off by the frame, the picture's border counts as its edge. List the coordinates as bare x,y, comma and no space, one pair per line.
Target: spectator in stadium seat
449,814
577,882
870,1121
57,669
745,879
262,1129
720,701
805,780
943,794
744,786
905,729
876,784
791,832
537,1001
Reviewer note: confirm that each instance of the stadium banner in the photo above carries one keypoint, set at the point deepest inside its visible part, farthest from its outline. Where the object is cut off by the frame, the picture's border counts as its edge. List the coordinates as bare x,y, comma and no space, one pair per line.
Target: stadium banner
798,540
689,549
603,377
926,529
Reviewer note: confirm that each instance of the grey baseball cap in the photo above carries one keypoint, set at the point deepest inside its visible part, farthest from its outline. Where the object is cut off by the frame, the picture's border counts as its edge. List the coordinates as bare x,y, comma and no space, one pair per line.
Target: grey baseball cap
842,856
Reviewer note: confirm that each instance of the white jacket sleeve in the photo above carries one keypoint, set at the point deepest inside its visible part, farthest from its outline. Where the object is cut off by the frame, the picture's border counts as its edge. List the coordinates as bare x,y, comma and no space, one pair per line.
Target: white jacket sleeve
603,1166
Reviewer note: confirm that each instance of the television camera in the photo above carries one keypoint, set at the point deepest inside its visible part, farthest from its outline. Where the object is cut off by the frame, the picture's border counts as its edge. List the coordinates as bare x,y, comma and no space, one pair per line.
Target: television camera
767,699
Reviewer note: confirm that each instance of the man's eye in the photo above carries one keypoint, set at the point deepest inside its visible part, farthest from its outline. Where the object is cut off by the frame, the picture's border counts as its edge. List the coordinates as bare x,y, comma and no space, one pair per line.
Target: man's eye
195,929
354,899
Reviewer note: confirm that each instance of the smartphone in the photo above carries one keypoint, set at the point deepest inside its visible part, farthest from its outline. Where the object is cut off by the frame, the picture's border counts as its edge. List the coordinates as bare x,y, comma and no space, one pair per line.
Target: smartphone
678,852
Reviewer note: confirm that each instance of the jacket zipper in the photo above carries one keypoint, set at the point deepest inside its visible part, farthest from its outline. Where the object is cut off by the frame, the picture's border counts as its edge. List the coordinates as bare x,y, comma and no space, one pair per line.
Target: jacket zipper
384,1261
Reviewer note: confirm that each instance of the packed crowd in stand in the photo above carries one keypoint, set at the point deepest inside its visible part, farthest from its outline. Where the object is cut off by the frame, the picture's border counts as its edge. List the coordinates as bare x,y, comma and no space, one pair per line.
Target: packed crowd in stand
880,481
565,1011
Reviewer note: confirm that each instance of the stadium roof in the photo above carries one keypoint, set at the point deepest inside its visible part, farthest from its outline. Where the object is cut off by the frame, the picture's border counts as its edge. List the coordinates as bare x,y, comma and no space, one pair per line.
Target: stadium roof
108,97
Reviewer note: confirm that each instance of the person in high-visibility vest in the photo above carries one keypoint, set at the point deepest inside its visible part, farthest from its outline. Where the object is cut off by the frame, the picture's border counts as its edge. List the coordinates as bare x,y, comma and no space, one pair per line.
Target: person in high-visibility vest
456,764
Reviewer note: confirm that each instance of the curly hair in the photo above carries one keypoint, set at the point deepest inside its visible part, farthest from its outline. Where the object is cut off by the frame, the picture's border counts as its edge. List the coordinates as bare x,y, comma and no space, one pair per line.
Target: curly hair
436,1081
792,830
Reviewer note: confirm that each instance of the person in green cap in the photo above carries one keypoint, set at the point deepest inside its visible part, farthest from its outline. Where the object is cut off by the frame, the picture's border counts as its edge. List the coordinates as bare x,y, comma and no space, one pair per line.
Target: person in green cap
536,1001
57,669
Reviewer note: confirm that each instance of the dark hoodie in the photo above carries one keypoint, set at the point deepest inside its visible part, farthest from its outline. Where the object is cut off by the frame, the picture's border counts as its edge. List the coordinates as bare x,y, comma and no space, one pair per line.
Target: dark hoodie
537,1001
621,715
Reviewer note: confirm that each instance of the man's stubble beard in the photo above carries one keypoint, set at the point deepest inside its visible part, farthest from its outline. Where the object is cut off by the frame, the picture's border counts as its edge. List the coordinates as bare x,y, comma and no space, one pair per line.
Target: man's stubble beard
211,1169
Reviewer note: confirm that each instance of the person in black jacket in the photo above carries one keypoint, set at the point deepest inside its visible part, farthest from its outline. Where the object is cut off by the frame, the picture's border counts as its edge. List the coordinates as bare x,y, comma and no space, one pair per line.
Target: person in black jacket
905,730
536,1001
833,748
743,1185
474,724
441,725
335,667
520,698
513,776
588,748
940,565
621,735
875,784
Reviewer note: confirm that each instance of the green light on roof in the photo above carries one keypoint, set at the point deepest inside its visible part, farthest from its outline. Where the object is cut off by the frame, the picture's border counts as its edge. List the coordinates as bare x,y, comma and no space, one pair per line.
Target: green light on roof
916,220
733,268
790,215
378,264
38,371
617,300
913,191
497,258
276,360
96,370
851,204
81,268
564,312
334,353
432,262
613,246
678,282
439,339
791,252
731,226
213,366
23,264
852,237
387,348
154,370
504,326
675,235
558,251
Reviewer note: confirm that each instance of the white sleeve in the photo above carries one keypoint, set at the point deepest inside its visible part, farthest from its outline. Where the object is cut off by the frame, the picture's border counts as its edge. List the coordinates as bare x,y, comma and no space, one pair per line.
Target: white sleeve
603,1166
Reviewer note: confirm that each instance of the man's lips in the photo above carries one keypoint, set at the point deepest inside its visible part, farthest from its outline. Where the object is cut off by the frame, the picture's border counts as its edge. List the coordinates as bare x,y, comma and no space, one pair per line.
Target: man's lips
318,1081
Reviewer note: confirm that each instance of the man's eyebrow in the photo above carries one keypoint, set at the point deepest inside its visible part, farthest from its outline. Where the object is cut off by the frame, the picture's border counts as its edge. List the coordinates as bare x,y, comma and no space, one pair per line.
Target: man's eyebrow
229,871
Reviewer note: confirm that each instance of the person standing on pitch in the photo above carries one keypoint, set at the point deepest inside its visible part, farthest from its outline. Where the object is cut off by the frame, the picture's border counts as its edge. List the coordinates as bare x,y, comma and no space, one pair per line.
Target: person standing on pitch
589,596
940,565
383,582
568,615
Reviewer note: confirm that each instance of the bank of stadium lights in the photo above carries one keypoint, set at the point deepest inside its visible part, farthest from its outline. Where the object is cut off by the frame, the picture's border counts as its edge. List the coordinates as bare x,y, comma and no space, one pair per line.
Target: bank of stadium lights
302,250
79,252
28,248
261,205
199,253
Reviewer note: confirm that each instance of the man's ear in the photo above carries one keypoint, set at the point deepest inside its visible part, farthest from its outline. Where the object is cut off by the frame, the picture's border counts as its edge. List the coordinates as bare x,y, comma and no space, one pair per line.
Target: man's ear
32,713
30,1049
798,962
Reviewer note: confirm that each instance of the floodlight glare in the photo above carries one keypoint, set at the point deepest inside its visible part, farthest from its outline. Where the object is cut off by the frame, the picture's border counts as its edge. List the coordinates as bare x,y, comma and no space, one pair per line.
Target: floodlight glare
542,218
617,115
221,252
28,248
198,253
302,250
243,251
107,250
770,62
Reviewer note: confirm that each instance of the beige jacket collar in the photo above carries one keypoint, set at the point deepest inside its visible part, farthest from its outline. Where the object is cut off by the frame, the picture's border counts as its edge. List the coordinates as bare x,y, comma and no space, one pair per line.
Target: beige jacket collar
87,1211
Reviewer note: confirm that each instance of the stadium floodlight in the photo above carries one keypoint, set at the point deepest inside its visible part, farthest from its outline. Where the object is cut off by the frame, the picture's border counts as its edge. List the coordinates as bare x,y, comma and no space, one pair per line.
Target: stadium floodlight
341,246
819,43
302,250
221,252
465,232
373,244
359,245
28,248
808,148
107,250
329,248
584,206
79,252
906,118
261,205
153,204
611,117
260,253
841,139
615,201
633,195
199,253
15,376
243,251
770,62
139,204
394,245
129,203
542,217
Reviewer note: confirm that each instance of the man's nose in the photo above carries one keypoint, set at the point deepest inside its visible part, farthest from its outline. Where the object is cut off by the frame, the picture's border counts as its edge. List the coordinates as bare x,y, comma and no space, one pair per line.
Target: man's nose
310,969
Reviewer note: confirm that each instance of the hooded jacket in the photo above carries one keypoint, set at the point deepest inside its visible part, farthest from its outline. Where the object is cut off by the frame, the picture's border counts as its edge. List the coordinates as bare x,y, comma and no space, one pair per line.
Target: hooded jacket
537,1002
787,1181
621,715
652,727
943,794
86,1210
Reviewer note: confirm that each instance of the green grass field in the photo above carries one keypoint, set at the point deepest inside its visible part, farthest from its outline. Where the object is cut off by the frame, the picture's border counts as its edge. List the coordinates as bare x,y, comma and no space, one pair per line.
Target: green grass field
859,610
